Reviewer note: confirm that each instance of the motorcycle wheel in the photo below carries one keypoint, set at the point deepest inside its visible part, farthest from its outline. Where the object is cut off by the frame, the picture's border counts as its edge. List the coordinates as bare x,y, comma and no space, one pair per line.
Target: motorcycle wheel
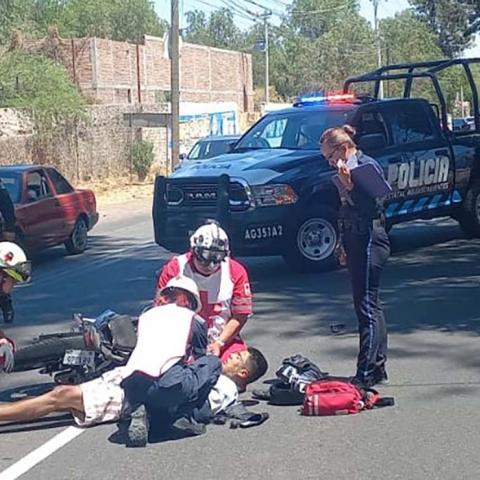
46,350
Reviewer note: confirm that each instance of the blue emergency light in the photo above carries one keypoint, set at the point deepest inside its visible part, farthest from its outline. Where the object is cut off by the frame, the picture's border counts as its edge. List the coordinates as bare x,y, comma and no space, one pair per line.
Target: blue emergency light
329,98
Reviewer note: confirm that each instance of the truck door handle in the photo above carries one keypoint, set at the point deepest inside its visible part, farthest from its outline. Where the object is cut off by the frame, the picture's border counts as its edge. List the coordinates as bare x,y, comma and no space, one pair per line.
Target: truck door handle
441,152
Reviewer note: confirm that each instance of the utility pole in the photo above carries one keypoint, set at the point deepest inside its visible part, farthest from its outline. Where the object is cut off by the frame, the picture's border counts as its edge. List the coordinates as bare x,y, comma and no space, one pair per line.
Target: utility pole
265,16
175,82
379,45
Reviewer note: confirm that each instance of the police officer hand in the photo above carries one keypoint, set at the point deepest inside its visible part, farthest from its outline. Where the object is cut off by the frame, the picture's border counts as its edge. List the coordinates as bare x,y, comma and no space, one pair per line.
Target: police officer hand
6,351
344,175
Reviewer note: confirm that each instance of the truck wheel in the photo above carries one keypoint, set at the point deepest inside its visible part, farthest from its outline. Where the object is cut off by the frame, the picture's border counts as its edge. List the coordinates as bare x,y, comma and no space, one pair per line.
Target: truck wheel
77,243
312,242
470,213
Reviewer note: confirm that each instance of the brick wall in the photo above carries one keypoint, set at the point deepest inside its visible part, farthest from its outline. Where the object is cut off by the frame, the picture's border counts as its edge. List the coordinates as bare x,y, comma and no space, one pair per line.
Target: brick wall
106,70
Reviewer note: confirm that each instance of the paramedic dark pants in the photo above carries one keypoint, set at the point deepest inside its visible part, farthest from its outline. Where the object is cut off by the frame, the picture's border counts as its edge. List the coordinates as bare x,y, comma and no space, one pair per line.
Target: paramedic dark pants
179,391
367,253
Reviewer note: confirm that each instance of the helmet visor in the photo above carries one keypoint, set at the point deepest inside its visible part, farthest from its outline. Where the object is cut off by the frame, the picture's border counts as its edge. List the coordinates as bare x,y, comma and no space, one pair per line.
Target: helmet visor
210,257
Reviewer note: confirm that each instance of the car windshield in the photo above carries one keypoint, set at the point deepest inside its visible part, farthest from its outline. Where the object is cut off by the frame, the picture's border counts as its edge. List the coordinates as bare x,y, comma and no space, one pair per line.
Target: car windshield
294,131
12,182
208,148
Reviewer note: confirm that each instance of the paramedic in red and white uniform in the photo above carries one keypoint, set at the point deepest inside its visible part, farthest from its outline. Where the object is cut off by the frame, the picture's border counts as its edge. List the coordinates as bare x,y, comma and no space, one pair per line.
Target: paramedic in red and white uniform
223,284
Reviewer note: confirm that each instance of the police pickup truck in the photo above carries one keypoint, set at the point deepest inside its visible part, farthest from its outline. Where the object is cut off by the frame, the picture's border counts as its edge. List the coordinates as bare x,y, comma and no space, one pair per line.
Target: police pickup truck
273,192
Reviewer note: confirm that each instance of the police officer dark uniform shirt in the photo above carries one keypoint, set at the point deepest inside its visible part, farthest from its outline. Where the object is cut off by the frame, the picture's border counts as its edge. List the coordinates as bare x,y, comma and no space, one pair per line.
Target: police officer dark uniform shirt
7,211
367,247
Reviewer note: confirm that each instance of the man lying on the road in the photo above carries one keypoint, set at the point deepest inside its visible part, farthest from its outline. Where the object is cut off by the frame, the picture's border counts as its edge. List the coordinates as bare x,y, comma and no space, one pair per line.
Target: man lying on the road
159,365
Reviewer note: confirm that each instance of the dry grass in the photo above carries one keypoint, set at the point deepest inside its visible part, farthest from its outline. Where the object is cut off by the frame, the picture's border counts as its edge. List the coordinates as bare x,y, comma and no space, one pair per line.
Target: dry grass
118,190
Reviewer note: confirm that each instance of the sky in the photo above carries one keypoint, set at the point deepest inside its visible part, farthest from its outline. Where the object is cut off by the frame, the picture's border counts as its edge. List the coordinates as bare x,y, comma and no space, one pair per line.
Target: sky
387,8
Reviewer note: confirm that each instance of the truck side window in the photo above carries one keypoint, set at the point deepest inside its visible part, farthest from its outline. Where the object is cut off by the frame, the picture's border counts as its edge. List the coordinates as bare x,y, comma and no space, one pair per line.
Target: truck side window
410,123
372,122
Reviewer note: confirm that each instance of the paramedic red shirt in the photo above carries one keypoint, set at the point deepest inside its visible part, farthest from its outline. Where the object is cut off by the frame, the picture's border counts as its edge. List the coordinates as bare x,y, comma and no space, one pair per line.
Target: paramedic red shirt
224,294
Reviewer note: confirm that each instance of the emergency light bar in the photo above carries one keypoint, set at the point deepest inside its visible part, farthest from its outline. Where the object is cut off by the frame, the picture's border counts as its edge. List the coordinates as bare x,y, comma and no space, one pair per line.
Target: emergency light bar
329,98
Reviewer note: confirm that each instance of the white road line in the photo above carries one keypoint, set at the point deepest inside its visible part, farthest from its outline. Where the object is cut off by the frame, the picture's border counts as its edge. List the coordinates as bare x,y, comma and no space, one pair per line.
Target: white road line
41,453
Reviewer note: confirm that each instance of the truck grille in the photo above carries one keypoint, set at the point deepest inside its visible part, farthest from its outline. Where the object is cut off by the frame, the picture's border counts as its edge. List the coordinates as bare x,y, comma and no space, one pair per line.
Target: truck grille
205,195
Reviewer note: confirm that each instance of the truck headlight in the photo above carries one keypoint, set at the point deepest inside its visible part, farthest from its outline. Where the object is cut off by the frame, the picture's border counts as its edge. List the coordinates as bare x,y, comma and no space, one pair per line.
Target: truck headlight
271,195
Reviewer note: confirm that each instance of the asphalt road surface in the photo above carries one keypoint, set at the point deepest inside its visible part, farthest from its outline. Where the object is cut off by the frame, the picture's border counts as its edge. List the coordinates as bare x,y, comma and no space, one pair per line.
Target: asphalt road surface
432,300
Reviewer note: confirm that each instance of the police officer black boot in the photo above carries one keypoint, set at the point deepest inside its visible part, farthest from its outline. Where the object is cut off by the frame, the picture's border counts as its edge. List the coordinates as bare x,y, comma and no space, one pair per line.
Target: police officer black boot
6,306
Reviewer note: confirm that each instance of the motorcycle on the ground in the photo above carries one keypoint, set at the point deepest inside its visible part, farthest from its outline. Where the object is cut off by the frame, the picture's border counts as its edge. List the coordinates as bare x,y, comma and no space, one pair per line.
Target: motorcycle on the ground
92,347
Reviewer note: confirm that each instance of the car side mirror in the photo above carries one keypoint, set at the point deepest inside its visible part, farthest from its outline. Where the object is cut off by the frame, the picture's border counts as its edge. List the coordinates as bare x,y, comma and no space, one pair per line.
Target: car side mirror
231,146
182,157
372,142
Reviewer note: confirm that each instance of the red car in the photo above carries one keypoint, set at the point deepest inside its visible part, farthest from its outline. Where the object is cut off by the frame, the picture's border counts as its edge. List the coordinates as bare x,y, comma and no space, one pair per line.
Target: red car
49,210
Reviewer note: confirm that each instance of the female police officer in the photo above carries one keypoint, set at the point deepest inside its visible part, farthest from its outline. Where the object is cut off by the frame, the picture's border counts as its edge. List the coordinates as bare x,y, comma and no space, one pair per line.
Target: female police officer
367,247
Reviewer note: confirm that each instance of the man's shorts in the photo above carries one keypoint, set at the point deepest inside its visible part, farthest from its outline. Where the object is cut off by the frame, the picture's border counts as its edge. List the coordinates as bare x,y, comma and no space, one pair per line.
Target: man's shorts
102,399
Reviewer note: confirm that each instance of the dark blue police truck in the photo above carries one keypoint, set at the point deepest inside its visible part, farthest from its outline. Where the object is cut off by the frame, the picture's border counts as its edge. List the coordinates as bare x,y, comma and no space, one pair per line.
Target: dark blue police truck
273,192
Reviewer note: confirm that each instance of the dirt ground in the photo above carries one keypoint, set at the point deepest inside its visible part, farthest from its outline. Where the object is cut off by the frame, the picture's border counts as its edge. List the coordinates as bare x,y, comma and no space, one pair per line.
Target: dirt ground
111,191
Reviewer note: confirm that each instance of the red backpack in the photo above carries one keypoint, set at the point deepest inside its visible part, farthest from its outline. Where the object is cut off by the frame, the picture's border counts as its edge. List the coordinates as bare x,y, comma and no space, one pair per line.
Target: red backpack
336,397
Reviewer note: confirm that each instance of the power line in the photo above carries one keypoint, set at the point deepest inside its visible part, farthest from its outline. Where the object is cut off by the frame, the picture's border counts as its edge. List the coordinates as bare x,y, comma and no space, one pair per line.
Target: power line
217,8
239,8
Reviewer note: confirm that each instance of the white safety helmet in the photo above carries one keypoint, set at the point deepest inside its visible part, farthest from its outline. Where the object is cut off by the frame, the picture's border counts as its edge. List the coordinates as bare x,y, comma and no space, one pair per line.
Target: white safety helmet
210,244
188,285
14,262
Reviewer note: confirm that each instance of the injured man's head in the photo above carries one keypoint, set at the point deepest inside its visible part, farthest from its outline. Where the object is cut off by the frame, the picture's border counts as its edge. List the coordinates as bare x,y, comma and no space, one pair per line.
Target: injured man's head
245,367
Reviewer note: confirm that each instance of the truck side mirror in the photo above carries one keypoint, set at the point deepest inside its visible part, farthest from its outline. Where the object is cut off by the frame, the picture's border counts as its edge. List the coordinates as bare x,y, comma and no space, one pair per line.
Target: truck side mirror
182,157
372,142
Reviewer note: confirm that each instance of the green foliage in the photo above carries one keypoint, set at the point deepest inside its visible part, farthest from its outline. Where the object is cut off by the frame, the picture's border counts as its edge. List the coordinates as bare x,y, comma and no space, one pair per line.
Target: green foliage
453,21
218,30
41,85
115,19
141,157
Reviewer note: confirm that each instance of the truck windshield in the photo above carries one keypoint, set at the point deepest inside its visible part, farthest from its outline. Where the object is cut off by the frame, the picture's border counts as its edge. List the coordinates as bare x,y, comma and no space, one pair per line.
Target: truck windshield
294,131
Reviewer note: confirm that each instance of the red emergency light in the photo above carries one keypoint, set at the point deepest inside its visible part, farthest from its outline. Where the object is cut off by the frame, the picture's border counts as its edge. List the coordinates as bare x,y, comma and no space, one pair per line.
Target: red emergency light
329,98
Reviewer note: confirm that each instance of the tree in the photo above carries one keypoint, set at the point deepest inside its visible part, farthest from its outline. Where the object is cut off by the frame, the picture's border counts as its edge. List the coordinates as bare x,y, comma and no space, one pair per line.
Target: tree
197,29
321,42
115,19
219,30
14,14
42,86
454,21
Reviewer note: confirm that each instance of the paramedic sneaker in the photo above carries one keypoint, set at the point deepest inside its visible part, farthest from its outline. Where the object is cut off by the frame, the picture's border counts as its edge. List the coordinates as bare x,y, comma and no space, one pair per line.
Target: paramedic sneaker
137,434
189,426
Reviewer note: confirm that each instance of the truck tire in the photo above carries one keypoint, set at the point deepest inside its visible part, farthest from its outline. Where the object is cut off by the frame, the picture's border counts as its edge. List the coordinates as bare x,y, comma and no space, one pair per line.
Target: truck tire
469,218
312,241
45,350
77,243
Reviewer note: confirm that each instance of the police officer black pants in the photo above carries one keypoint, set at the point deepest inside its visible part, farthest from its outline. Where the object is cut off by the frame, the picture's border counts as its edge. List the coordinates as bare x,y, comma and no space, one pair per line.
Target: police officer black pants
367,253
